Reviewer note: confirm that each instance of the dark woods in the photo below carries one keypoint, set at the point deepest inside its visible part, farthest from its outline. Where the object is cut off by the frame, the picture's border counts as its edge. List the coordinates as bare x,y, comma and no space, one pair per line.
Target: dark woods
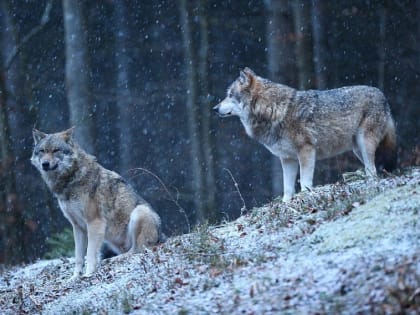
138,80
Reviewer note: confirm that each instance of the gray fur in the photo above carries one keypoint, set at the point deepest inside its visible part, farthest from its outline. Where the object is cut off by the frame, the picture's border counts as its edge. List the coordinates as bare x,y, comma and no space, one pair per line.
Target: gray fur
98,202
303,126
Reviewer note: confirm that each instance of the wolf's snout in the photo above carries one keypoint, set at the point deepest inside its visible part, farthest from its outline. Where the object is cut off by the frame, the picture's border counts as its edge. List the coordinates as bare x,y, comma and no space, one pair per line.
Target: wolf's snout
218,112
45,165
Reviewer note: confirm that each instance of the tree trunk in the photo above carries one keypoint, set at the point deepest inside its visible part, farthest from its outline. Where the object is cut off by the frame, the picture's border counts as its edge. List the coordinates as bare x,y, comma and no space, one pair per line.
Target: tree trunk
279,30
206,133
11,216
381,48
417,60
123,90
320,61
302,23
192,110
320,43
77,74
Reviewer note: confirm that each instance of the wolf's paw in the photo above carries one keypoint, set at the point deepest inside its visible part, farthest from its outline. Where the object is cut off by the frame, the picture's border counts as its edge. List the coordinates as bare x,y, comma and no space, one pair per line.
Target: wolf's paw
73,279
87,275
90,271
286,198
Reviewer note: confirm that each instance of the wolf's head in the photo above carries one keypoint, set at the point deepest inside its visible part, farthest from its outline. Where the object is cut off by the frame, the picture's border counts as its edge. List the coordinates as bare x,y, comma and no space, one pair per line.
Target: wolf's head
53,153
239,96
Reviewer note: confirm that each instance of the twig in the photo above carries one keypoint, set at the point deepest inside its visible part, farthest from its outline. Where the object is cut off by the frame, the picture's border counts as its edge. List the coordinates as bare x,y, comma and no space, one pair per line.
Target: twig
243,209
44,20
389,174
168,192
292,209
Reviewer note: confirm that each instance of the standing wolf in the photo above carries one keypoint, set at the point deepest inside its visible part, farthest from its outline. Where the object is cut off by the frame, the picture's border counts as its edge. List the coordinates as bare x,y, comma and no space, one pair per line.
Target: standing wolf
99,204
302,126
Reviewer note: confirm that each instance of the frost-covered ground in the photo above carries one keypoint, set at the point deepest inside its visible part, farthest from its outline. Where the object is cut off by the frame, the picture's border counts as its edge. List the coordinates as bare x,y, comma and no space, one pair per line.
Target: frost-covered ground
340,249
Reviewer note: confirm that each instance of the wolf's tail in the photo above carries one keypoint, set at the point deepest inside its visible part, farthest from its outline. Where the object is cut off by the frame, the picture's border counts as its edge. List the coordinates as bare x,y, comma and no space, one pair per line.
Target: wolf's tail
386,153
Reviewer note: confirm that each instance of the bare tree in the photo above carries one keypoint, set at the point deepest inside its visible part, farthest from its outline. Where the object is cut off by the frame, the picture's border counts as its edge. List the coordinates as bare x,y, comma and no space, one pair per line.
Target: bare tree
320,62
77,74
302,22
192,110
418,36
279,30
123,90
204,101
320,48
381,46
10,216
18,47
14,114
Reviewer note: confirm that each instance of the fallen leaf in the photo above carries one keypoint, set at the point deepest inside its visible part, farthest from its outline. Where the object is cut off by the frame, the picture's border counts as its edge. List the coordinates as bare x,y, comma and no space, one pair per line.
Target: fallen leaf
180,281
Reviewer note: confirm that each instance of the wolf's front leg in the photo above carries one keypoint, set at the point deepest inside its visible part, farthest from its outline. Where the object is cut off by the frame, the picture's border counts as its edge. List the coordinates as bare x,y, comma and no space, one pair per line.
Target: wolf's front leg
290,169
80,243
307,166
96,235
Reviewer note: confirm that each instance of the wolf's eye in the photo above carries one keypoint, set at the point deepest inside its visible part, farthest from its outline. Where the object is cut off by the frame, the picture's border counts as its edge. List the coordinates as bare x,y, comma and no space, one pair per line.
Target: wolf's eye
56,150
41,151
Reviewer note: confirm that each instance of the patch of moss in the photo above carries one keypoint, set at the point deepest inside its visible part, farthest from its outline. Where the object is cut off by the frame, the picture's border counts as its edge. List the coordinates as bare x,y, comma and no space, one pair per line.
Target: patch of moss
389,211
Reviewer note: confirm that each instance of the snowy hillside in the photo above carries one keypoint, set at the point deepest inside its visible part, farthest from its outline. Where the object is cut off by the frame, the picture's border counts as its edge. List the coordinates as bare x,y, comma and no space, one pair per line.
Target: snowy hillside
340,249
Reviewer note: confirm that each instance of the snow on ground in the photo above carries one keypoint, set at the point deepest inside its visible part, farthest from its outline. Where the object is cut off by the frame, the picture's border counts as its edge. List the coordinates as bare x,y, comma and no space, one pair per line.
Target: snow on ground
340,249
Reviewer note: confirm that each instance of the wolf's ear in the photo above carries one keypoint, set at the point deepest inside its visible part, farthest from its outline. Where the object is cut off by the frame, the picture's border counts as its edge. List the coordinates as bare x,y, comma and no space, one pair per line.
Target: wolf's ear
246,77
68,134
38,135
249,71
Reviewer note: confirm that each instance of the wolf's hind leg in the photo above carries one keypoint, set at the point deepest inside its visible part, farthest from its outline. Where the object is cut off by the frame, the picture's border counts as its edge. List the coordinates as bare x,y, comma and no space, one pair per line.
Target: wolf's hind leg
357,152
367,147
307,166
143,228
290,169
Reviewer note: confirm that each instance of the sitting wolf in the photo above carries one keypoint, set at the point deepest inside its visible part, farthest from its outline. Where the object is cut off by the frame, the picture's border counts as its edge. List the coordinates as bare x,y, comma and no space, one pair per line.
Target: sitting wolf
301,127
99,204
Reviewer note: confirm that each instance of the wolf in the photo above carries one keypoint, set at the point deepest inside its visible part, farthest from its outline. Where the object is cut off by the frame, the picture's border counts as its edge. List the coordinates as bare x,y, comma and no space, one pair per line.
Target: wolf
101,207
301,127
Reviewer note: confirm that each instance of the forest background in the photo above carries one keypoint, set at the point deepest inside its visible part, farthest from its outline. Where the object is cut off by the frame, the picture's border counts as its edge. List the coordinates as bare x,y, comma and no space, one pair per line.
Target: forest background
138,79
